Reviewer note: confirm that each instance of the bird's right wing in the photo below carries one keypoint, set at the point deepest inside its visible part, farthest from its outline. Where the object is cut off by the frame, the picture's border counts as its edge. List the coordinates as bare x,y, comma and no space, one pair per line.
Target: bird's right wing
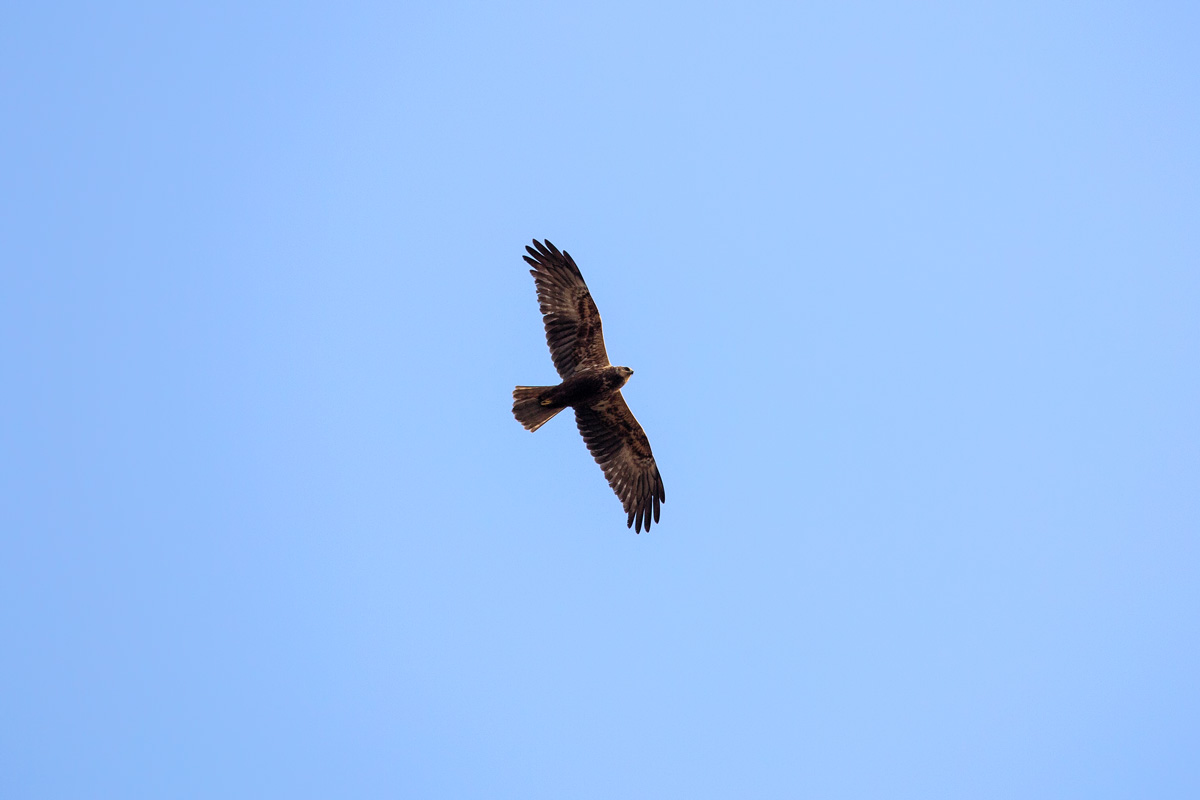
570,315
621,448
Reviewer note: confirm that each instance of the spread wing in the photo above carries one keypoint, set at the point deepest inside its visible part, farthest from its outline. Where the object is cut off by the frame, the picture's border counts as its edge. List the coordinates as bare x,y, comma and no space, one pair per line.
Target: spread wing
572,321
621,448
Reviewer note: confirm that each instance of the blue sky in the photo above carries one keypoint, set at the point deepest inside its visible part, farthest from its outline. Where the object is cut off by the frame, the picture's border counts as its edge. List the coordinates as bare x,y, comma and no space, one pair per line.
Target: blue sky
911,291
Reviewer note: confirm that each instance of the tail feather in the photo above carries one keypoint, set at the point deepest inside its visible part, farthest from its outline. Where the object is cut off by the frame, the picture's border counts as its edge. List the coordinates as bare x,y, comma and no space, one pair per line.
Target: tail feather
528,408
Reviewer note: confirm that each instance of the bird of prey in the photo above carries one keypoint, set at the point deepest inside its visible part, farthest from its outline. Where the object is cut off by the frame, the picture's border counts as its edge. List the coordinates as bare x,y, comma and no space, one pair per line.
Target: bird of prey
590,385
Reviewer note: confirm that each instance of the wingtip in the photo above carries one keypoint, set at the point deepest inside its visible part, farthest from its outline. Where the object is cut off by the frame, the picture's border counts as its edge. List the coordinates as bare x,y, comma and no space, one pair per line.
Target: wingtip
541,250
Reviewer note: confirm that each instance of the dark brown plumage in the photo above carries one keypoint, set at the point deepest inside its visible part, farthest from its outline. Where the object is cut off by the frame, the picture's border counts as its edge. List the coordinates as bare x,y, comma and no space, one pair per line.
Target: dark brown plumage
590,385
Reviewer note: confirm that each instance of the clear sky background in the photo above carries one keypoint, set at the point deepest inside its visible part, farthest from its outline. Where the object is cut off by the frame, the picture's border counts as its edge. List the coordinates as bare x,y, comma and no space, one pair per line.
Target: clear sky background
913,296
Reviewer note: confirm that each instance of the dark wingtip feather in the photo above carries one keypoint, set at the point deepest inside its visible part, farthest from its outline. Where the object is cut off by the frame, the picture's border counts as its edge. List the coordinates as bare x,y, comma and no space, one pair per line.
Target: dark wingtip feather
544,249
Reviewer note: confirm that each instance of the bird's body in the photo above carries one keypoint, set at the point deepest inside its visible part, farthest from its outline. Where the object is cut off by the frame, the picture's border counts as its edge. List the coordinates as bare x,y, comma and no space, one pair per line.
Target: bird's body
581,389
590,385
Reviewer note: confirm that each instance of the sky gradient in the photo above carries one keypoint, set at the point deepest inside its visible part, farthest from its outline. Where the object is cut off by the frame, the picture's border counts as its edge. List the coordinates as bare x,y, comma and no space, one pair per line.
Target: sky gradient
911,292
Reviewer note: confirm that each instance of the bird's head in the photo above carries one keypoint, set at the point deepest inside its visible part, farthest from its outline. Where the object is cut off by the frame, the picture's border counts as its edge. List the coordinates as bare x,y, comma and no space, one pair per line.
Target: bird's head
624,372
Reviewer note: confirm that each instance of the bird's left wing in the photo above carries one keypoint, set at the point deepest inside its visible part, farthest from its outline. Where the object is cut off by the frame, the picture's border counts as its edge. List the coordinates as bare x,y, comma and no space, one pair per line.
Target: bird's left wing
572,321
621,448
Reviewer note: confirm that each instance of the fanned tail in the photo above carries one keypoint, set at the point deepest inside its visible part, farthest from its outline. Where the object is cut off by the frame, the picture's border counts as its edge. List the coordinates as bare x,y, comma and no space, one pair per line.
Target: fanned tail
528,408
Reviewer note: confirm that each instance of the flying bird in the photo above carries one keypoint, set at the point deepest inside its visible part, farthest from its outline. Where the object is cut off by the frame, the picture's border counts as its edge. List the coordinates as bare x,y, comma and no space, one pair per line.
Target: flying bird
590,385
